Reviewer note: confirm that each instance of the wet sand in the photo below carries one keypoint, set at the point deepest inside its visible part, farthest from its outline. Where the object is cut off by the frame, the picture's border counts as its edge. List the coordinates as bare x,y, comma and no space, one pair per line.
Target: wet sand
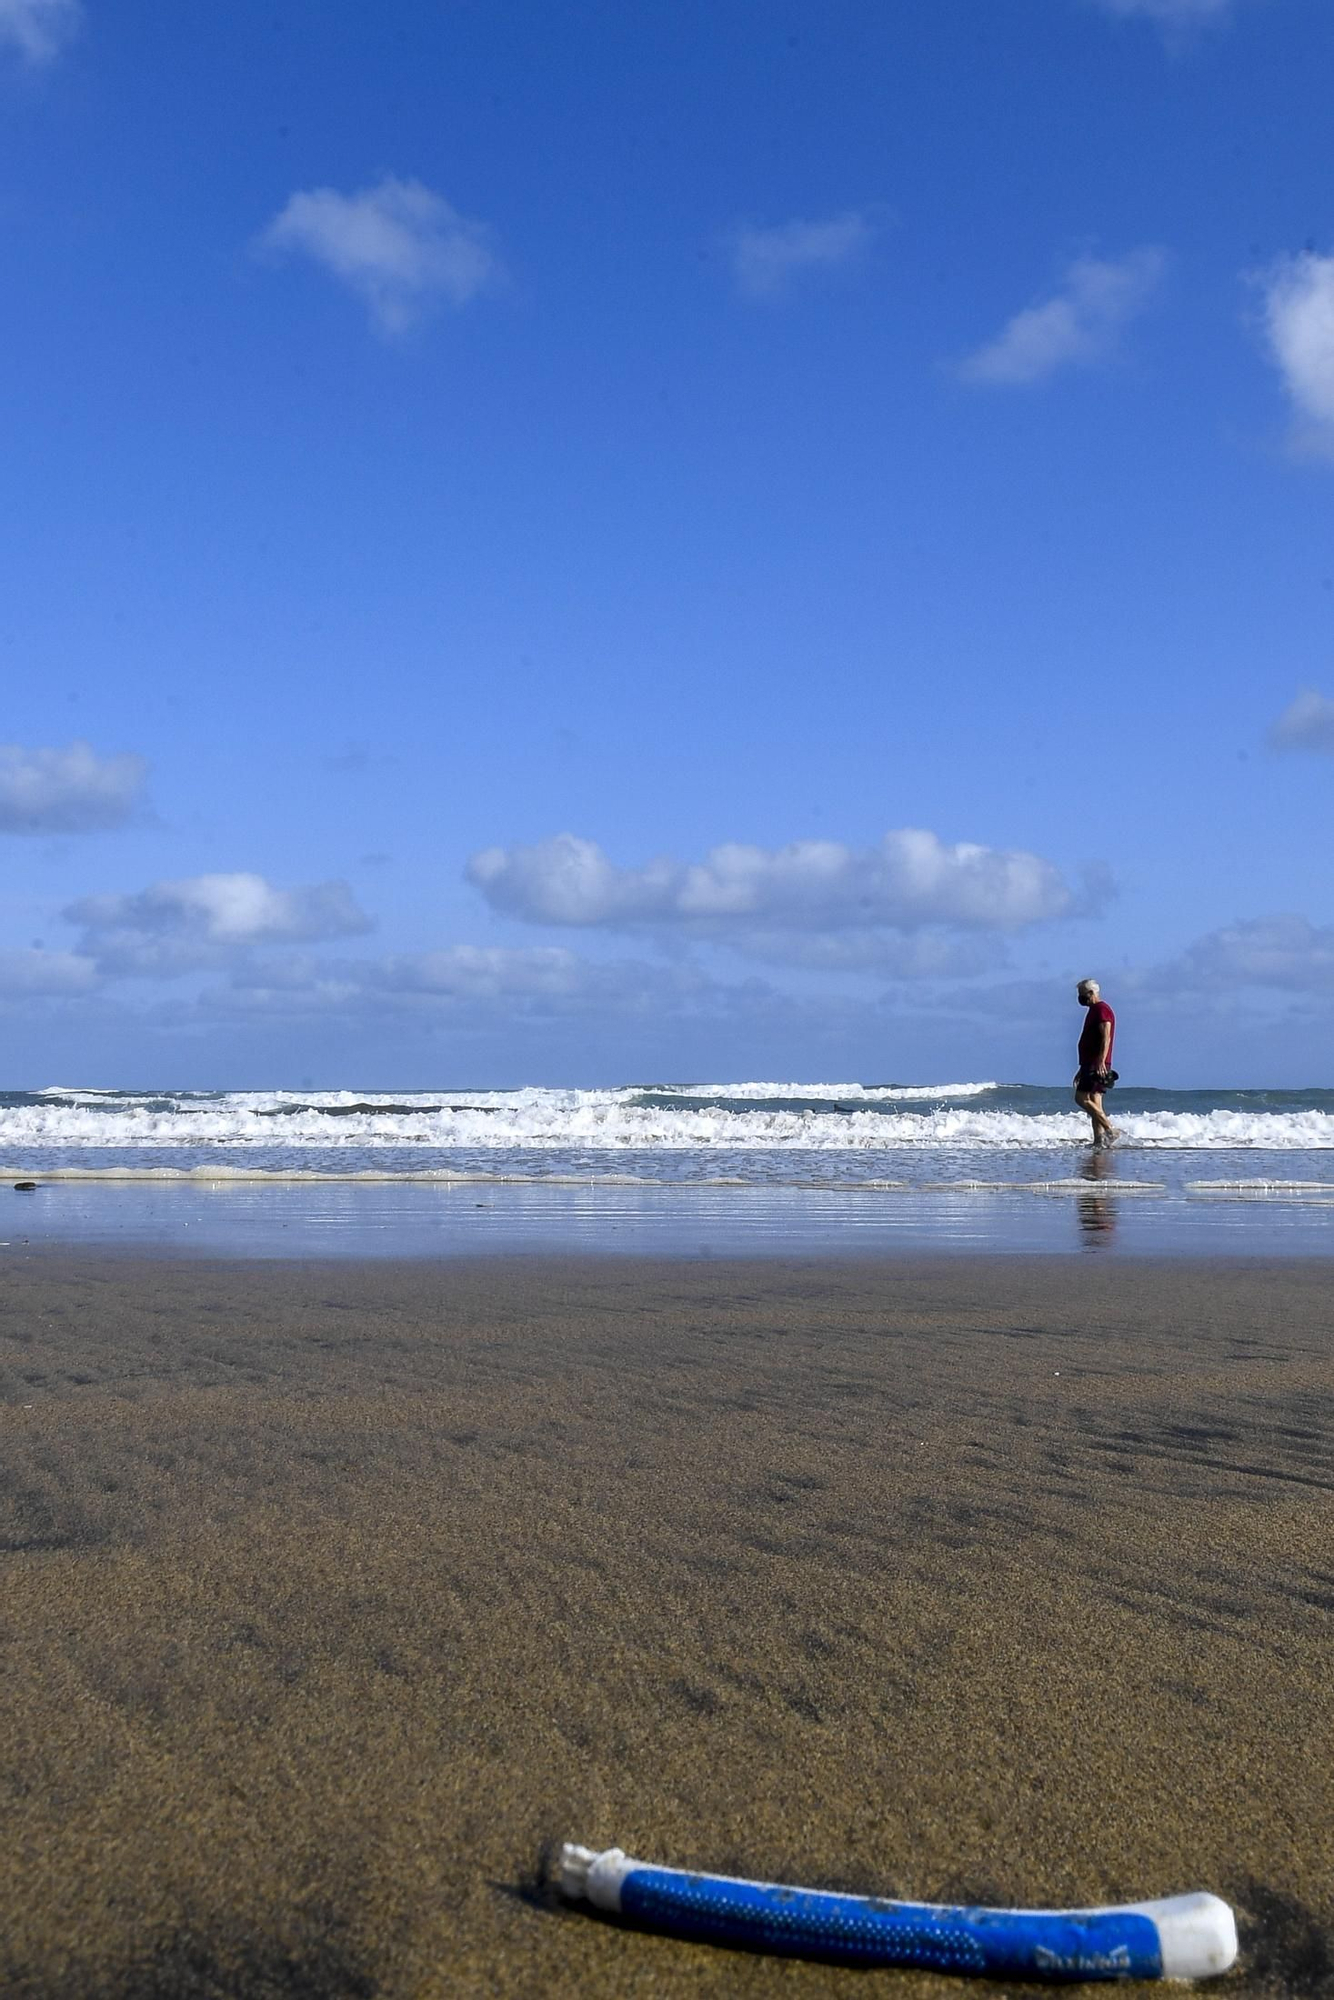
335,1596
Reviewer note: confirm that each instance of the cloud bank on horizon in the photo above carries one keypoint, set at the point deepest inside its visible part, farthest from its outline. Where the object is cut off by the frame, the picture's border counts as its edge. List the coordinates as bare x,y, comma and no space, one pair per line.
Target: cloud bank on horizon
1285,953
911,909
533,980
1284,956
38,973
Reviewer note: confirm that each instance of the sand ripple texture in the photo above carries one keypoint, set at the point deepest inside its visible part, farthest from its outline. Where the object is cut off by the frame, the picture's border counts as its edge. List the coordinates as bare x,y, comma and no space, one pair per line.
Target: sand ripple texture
334,1596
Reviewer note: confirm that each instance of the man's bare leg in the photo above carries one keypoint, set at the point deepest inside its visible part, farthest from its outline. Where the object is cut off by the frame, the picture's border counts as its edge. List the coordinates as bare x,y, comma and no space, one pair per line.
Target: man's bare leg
1103,1128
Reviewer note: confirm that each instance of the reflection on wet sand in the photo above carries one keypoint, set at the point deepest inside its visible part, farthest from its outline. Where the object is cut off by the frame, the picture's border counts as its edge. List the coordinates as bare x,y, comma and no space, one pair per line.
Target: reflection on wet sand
1097,1215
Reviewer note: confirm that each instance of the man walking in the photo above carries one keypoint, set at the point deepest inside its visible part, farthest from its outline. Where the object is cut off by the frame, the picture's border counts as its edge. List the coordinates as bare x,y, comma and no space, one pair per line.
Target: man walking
1095,1073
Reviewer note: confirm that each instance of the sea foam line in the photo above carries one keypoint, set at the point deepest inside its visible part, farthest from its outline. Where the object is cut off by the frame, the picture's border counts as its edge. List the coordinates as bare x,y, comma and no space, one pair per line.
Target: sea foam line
595,1123
867,1093
225,1177
221,1176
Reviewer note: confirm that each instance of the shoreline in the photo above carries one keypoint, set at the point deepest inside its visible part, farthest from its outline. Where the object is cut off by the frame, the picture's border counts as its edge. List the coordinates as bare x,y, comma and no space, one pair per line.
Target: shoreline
339,1591
285,1220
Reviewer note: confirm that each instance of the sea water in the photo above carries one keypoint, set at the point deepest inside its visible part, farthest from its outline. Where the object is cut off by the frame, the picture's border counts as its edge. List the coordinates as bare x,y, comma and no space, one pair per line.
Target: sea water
979,1164
771,1134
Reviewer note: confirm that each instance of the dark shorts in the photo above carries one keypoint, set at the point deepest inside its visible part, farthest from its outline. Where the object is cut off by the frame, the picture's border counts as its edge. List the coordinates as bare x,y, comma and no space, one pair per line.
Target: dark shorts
1089,1083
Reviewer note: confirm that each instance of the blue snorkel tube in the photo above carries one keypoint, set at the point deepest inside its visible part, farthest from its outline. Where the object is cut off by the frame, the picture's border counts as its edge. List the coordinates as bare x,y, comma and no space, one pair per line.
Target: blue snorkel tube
1180,1937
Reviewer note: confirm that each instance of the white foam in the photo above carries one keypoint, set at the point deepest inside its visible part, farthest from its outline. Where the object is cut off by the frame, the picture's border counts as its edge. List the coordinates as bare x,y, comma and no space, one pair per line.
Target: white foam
610,1121
61,1090
1262,1187
1314,1193
208,1175
1099,1188
1080,1187
868,1093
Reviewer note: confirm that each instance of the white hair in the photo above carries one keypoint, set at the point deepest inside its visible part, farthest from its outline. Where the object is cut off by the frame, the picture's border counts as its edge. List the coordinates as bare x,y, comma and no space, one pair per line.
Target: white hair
1089,986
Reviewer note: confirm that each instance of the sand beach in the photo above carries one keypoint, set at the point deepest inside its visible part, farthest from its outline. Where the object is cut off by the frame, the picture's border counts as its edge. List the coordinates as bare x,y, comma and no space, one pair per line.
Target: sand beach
336,1595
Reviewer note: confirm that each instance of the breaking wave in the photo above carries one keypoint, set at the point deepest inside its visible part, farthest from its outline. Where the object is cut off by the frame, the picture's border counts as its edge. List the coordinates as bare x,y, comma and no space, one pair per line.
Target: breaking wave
726,1119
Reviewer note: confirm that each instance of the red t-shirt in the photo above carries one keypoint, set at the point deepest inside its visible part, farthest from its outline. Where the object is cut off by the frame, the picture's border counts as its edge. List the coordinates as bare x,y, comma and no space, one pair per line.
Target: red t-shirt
1090,1041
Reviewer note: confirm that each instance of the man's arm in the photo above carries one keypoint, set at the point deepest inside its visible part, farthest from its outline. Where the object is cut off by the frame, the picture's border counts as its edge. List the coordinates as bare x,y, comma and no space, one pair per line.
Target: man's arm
1106,1048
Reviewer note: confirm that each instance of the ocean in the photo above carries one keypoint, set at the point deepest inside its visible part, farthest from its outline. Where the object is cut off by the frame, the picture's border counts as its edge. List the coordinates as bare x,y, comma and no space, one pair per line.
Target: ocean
831,1135
793,1163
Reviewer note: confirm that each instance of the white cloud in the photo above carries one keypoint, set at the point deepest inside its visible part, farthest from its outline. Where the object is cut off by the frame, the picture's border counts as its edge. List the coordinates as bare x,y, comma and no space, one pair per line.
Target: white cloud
887,954
66,791
399,246
470,986
1288,953
911,879
1299,321
1078,325
1306,724
1171,13
174,927
49,973
489,972
38,29
766,262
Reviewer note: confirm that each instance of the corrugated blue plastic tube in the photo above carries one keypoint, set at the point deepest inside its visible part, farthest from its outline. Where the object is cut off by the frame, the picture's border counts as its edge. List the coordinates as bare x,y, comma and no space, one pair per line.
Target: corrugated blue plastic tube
1180,1937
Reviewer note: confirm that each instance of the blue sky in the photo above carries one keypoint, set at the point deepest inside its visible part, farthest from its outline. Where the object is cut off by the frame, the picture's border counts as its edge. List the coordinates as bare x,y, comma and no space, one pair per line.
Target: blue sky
565,543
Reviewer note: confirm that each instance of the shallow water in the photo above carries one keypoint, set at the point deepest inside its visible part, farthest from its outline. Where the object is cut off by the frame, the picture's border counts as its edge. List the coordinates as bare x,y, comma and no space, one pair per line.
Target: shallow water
396,1218
683,1169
